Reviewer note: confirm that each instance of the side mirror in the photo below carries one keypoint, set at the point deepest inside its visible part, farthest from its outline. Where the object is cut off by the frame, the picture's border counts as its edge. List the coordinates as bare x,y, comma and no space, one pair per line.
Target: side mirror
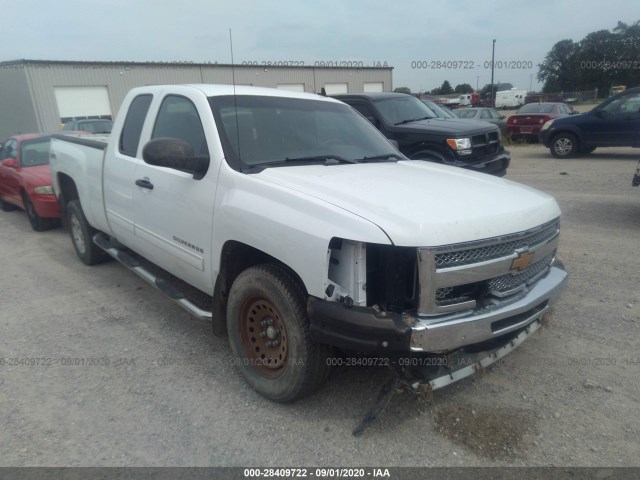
10,163
573,112
394,143
502,117
177,154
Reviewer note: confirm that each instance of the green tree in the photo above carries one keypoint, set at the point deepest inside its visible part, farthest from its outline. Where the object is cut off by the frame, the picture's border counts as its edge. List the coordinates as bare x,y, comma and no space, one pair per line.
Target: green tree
629,47
558,70
445,88
599,53
402,90
601,59
463,88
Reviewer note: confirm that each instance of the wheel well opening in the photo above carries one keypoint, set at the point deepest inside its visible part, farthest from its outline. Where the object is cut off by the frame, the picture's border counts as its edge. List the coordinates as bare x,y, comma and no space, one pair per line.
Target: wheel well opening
68,192
234,259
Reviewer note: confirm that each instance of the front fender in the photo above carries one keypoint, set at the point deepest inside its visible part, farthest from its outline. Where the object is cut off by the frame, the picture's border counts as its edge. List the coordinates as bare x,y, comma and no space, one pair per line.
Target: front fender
290,226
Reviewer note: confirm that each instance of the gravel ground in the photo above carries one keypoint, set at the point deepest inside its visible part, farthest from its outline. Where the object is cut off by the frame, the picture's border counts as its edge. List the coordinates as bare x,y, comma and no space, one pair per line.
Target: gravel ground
170,395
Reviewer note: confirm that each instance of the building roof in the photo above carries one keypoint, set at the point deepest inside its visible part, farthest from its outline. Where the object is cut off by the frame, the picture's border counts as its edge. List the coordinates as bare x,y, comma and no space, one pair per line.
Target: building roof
186,63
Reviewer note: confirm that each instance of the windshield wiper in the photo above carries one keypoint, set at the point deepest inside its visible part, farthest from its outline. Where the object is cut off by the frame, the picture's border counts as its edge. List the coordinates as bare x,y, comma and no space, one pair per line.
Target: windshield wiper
413,120
374,158
326,159
323,159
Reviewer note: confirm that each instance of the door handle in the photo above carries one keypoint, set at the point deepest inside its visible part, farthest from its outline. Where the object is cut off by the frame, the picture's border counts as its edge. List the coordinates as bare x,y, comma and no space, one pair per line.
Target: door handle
144,183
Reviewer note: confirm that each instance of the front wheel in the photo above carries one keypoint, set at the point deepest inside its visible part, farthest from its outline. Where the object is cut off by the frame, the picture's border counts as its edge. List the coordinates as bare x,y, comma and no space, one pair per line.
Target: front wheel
428,155
564,145
38,223
6,207
82,235
269,335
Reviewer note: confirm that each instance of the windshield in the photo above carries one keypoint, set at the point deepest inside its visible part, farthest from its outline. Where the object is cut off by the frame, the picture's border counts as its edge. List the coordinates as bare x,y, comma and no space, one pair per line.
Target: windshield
466,113
34,152
536,108
403,109
260,131
439,111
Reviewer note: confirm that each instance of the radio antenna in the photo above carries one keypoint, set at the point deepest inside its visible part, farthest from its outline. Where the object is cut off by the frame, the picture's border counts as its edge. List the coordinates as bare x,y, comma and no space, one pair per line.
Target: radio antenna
235,98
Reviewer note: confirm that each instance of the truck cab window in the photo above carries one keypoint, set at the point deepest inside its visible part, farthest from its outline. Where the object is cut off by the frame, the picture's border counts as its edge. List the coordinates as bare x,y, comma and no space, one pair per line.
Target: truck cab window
178,118
130,136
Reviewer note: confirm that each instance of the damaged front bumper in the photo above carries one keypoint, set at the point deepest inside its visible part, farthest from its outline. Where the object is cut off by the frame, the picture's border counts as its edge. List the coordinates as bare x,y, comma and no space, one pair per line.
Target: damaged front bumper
432,350
432,335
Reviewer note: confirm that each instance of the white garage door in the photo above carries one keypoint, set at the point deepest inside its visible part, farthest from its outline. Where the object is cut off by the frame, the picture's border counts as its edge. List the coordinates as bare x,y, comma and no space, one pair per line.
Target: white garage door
335,88
373,87
295,87
83,101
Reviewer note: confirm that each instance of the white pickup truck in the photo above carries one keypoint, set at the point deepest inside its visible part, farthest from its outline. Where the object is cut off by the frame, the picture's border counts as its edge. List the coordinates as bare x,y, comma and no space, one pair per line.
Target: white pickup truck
298,229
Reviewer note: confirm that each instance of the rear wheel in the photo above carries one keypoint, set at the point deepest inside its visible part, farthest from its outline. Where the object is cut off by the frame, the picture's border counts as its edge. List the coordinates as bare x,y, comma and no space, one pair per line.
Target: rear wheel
82,235
587,150
269,335
564,145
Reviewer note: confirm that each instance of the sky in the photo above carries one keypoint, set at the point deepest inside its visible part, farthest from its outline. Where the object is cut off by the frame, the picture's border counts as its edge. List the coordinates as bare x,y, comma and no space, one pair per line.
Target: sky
426,42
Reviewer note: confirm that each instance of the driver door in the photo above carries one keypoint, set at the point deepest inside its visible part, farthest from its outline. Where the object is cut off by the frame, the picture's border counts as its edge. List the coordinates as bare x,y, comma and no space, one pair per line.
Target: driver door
173,211
617,123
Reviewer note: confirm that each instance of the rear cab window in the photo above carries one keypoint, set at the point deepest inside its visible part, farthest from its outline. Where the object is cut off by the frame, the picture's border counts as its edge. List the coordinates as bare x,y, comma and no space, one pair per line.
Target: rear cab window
133,123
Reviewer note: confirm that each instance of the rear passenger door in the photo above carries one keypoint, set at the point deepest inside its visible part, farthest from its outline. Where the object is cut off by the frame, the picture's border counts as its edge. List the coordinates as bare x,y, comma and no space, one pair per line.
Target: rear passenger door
119,171
173,211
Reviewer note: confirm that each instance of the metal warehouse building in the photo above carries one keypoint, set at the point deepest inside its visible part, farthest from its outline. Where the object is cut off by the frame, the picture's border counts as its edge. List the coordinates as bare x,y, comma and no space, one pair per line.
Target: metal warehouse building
40,95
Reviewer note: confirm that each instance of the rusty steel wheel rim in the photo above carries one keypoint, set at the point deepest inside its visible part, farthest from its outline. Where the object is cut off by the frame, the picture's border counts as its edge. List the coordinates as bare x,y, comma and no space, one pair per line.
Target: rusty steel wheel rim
263,336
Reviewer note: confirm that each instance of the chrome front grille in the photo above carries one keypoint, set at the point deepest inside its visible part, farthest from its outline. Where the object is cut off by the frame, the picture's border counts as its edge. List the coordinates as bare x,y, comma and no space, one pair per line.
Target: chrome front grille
506,283
506,246
463,276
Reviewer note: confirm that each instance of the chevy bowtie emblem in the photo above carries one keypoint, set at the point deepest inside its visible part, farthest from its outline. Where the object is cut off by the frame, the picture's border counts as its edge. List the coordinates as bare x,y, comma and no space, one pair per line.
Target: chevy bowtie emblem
523,261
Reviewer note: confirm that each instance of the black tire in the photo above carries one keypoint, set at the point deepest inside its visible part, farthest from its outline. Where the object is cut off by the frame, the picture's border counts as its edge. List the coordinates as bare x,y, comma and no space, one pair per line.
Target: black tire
6,207
266,305
38,223
82,235
564,145
587,150
428,155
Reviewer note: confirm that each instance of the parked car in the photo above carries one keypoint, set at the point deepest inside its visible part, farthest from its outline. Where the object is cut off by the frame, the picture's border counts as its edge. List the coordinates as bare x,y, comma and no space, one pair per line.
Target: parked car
613,123
422,136
440,111
91,125
25,179
528,120
485,114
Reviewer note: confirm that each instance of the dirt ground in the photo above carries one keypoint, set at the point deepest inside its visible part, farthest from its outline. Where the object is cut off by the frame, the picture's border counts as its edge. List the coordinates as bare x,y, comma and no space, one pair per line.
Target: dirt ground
110,373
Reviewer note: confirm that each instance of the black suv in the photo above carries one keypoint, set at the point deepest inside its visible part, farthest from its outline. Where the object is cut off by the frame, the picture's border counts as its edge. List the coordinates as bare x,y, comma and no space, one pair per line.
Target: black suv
613,123
422,136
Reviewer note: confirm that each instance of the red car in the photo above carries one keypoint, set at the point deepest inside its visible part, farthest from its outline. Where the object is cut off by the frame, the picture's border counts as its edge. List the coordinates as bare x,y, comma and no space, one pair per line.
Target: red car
25,179
528,120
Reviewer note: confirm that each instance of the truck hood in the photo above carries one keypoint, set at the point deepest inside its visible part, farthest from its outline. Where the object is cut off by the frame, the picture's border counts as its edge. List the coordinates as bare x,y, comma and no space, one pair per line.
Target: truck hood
418,203
447,126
